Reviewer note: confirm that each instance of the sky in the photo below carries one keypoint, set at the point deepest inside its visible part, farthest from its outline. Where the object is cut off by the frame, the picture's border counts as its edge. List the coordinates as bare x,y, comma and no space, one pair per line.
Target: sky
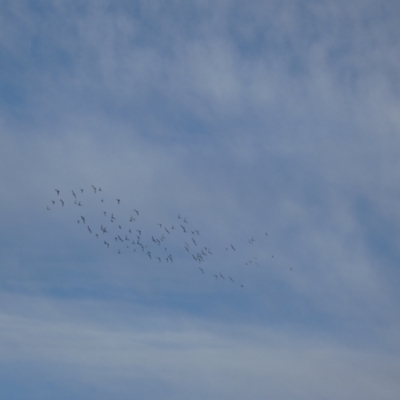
258,142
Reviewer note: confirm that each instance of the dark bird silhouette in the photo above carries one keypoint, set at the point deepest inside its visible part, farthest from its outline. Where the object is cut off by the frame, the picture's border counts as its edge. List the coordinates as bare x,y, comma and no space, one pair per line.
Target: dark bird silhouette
200,255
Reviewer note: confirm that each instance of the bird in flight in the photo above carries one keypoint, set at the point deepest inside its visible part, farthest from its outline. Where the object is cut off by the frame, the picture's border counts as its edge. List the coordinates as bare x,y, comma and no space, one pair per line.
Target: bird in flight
150,241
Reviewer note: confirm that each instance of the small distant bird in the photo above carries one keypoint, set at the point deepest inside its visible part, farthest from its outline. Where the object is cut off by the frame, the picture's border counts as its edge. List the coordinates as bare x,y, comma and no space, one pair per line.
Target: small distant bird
94,188
74,193
58,192
83,219
62,203
136,211
118,200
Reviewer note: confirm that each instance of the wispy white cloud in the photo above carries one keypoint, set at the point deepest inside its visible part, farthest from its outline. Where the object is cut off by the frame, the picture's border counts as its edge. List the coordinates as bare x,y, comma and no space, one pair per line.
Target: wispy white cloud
188,357
276,117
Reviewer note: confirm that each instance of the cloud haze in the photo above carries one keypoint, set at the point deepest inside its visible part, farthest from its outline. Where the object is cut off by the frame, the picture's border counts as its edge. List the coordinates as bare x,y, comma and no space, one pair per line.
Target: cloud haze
247,118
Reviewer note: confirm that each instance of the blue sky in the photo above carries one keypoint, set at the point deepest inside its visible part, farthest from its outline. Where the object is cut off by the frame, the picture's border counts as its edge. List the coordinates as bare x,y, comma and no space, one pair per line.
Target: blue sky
245,118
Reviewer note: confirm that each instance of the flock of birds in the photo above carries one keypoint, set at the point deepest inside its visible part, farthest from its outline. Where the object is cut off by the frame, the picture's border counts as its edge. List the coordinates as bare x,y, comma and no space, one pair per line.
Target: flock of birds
124,234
